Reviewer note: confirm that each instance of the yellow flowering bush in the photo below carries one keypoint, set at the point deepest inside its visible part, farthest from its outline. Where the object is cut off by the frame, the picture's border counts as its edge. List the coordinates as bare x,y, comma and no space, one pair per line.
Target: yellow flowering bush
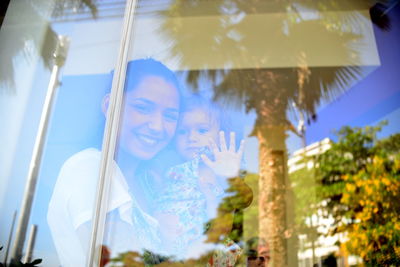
372,198
361,192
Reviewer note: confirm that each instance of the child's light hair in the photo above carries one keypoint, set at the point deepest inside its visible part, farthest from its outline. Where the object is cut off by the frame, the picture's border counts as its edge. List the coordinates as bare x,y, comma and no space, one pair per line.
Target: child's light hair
214,111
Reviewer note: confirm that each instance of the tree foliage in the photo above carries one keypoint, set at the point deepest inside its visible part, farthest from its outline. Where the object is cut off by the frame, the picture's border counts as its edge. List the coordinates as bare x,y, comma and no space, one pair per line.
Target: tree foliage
18,263
23,30
359,181
304,189
229,220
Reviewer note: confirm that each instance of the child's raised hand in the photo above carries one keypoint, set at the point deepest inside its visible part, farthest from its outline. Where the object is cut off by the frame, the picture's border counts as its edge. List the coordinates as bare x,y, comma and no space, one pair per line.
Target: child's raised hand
226,160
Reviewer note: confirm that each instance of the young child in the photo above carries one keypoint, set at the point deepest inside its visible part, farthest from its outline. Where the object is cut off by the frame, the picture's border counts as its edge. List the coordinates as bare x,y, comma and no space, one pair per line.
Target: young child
193,189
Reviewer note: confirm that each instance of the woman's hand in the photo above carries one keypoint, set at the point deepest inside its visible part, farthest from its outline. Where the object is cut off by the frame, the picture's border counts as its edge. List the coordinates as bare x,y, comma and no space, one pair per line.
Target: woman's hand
226,160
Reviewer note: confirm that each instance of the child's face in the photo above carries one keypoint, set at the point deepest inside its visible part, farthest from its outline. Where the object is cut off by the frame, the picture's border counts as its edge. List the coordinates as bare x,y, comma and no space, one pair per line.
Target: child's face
194,132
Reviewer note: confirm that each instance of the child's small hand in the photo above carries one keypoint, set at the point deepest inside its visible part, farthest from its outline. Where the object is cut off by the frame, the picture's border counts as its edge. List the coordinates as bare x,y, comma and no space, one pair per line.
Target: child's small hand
226,160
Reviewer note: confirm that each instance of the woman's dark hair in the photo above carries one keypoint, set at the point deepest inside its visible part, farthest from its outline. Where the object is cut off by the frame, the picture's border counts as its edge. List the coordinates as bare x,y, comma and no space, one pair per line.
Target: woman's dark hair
138,69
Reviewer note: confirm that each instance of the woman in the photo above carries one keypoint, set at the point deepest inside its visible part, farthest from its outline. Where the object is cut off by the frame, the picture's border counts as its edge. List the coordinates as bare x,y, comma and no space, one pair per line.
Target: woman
149,119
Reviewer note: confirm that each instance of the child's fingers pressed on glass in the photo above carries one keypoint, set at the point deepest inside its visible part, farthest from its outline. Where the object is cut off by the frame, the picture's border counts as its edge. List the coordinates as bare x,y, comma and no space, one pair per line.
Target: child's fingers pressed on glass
241,148
213,146
232,142
222,141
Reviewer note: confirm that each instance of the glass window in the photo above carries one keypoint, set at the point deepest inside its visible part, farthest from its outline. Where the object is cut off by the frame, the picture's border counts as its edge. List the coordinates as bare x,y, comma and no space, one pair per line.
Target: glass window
238,133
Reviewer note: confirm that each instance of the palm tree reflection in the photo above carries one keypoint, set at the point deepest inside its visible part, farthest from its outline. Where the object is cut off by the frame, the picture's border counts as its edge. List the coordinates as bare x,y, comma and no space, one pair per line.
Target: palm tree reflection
231,39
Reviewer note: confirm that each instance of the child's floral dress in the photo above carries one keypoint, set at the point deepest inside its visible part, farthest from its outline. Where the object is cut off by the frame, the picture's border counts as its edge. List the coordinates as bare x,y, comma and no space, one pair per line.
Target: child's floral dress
182,197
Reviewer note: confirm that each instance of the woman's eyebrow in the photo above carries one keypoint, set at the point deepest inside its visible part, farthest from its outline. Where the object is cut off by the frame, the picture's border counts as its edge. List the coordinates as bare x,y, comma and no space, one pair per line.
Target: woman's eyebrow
145,100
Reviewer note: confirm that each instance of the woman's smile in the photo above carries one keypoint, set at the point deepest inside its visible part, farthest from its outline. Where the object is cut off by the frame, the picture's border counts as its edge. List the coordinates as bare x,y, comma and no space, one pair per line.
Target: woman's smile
148,140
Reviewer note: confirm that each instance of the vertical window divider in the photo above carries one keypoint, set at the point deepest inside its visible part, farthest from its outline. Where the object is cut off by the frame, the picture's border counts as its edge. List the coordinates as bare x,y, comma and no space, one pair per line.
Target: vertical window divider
110,138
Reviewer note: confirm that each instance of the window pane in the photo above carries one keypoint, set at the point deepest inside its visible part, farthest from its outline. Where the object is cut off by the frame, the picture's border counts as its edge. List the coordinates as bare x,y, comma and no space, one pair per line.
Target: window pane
281,75
64,195
304,84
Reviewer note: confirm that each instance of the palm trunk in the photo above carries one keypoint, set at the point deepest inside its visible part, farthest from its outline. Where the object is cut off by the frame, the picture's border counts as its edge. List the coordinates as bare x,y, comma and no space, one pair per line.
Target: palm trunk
272,193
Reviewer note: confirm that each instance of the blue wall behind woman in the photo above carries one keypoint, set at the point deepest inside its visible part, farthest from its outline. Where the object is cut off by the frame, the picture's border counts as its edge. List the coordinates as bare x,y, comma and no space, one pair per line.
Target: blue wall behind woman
76,123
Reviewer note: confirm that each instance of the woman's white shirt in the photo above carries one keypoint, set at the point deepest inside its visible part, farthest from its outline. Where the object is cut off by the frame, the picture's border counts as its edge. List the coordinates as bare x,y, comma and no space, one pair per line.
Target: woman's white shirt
72,204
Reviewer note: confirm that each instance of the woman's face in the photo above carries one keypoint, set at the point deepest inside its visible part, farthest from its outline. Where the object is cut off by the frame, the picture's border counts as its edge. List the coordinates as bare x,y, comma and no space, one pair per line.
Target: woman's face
150,117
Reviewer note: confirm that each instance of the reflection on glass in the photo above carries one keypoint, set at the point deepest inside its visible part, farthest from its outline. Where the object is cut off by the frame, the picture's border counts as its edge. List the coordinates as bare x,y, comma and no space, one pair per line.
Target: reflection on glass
303,54
283,76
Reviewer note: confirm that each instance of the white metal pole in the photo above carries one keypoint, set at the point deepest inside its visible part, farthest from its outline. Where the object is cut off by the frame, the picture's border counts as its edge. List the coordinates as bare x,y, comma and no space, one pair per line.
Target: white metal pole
10,237
110,137
30,187
31,244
